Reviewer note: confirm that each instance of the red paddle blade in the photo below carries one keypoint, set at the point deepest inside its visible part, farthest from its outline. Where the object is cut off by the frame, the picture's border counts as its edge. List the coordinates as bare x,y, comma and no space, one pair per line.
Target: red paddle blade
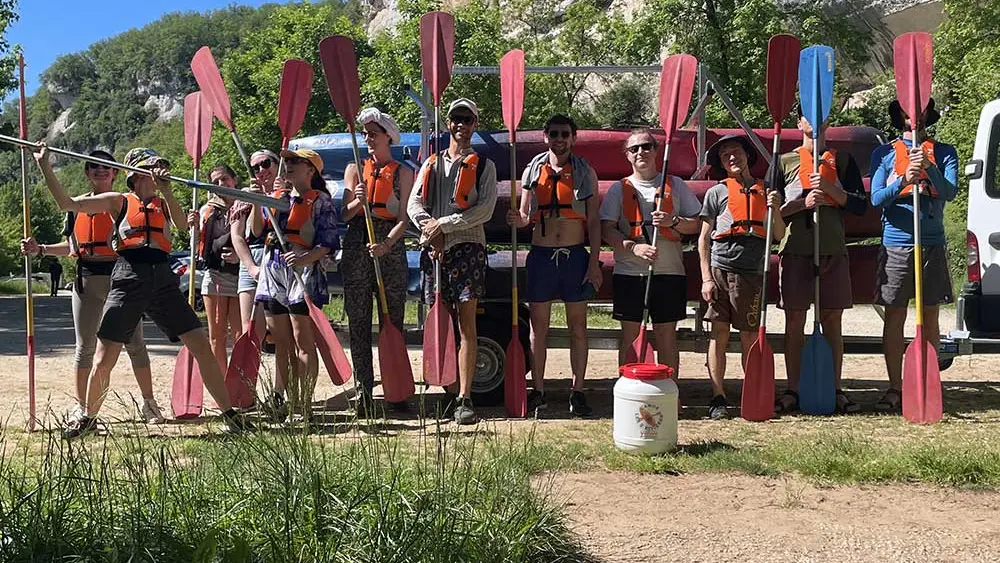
440,356
206,74
340,67
783,53
330,350
197,126
293,97
757,403
188,391
913,62
394,364
244,367
676,86
515,391
512,88
922,401
437,51
641,351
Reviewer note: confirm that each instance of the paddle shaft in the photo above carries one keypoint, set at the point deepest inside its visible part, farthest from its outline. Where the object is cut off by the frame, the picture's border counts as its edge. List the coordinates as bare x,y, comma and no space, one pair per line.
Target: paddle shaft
656,231
817,100
242,151
193,262
513,229
770,220
29,304
918,264
383,302
255,198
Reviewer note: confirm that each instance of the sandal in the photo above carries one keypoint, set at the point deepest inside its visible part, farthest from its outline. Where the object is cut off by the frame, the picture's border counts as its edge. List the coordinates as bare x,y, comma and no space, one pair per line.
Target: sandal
786,403
845,405
891,402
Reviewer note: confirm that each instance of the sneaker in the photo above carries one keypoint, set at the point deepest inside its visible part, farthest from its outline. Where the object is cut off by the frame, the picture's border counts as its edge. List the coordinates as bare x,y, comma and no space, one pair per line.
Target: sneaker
75,413
79,428
717,408
236,423
463,412
276,408
536,401
151,412
578,404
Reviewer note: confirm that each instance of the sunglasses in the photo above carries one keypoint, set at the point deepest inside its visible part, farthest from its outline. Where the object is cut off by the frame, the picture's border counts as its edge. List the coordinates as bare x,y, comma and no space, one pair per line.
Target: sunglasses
461,119
556,134
366,134
94,166
634,149
264,165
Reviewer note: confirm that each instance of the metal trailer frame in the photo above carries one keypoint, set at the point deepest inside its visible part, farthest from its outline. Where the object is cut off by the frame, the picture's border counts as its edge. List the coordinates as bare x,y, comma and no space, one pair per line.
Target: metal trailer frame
957,342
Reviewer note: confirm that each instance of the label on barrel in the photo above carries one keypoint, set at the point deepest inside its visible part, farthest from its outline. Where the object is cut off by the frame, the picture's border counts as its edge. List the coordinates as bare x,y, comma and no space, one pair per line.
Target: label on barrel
649,418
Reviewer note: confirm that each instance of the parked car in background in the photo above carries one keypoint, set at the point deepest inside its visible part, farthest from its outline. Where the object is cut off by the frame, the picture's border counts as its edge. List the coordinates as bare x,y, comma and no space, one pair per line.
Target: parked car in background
180,262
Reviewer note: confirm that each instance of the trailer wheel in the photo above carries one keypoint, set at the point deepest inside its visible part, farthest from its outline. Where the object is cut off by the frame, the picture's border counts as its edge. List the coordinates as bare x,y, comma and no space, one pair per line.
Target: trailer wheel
945,363
493,337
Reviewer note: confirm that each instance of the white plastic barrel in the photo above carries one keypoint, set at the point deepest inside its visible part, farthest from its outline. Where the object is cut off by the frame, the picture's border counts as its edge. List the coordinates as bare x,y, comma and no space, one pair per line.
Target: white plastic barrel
645,409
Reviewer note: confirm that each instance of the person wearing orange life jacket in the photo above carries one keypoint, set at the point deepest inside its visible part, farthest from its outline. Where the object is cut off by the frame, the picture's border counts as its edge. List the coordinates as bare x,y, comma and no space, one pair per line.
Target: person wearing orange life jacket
898,167
382,184
220,281
559,195
835,187
631,216
310,229
88,239
143,280
450,215
731,250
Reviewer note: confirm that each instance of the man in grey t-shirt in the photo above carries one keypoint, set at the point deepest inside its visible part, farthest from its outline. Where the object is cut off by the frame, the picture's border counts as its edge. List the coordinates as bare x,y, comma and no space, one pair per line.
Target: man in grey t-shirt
731,250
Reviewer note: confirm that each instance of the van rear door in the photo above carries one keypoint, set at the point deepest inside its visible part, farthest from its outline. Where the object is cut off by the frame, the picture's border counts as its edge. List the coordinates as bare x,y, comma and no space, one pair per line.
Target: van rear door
982,293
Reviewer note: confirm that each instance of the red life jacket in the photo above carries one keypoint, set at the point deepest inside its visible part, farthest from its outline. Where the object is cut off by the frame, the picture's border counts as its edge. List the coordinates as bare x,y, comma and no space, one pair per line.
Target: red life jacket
632,212
381,184
747,209
142,225
903,162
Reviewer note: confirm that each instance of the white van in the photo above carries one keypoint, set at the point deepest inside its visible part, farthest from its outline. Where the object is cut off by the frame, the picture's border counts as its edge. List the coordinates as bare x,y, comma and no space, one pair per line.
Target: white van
978,307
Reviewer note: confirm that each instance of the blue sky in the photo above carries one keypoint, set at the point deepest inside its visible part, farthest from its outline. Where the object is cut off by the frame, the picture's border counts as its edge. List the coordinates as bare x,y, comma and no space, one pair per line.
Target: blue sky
49,28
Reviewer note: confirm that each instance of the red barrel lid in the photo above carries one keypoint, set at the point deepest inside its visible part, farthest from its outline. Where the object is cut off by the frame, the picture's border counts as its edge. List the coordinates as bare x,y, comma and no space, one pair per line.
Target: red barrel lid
646,372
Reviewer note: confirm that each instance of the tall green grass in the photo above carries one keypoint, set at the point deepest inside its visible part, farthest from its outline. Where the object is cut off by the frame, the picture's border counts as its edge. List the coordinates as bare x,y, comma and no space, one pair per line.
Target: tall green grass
278,497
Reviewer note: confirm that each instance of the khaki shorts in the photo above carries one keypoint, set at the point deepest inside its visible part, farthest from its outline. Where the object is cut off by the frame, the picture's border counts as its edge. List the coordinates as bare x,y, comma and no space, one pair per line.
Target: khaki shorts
895,287
796,283
737,299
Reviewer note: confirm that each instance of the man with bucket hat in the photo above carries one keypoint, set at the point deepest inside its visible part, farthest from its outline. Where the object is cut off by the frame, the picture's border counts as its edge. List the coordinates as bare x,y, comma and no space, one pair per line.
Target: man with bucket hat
450,209
897,169
731,250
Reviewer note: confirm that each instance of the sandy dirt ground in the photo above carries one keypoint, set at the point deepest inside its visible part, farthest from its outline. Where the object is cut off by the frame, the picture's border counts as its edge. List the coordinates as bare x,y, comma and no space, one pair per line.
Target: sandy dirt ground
623,516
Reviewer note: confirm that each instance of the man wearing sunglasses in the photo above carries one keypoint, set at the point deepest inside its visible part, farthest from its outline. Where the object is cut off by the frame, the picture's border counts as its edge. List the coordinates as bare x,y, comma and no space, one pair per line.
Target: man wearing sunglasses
559,195
630,222
453,195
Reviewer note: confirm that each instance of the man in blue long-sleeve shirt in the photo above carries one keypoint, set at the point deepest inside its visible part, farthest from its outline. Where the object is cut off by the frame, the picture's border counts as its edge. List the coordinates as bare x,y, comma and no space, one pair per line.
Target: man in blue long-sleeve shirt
897,168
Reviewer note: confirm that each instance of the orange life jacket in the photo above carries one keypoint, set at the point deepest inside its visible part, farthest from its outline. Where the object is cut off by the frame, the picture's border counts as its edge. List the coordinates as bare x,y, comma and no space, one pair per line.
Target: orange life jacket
142,225
903,162
300,229
466,184
632,212
827,167
209,215
555,196
92,236
381,184
746,211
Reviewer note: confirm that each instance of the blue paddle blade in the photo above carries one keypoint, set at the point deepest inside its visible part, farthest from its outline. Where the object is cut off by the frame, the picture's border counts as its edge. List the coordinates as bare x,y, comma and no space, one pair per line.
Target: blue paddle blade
816,66
817,388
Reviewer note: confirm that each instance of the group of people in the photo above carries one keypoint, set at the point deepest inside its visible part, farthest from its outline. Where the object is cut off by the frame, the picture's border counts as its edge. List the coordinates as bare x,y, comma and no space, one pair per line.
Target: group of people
262,264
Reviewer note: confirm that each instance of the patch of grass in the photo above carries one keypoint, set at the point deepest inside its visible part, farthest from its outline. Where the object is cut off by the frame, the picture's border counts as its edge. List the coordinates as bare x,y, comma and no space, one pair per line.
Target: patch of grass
283,496
16,287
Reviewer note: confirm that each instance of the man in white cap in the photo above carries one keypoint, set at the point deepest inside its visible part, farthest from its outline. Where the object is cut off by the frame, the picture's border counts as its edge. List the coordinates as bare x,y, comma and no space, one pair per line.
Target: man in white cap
450,204
381,184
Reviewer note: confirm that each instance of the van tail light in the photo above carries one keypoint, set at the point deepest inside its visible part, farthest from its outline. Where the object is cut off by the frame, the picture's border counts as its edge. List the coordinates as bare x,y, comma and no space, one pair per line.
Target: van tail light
181,270
972,250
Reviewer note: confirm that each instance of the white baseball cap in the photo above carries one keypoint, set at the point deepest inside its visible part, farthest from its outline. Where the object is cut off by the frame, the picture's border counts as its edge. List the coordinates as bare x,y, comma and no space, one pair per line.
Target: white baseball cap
464,103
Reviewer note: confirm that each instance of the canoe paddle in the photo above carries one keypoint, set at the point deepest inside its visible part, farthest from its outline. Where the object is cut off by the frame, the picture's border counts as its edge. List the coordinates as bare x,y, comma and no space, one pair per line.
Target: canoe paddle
817,384
437,54
187,393
340,67
515,393
757,402
244,362
29,303
206,74
676,86
913,60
